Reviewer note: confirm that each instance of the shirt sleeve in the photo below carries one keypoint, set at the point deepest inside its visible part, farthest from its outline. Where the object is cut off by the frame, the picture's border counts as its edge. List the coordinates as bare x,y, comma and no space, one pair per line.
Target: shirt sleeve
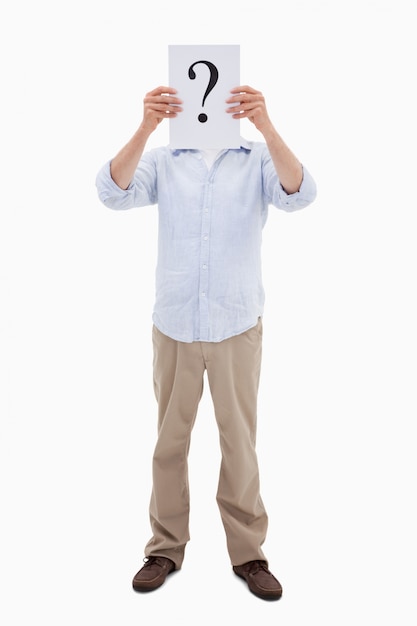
298,200
141,191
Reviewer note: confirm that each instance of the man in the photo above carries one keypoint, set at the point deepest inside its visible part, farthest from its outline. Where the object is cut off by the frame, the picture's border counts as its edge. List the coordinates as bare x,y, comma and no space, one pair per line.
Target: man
207,316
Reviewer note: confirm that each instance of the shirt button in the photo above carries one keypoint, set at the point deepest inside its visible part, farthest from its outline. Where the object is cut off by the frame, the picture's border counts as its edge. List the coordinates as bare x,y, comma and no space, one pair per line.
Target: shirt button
203,293
204,267
205,237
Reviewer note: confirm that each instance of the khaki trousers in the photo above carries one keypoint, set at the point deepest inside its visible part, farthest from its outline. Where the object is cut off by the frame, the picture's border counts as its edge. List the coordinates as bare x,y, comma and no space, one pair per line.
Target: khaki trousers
233,370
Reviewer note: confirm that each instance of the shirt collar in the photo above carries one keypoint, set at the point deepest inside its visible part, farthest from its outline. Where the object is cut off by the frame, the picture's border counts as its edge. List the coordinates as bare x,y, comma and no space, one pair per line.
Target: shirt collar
244,144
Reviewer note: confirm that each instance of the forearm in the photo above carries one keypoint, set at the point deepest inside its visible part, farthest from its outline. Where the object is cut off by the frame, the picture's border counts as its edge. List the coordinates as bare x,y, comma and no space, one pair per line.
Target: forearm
159,104
248,102
124,164
287,166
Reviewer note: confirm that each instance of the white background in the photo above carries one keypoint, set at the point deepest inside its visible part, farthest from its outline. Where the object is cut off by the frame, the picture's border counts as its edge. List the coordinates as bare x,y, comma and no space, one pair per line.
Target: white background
337,407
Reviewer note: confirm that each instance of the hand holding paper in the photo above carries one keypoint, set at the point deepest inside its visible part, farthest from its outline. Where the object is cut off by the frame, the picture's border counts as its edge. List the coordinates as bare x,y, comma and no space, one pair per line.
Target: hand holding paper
250,103
160,103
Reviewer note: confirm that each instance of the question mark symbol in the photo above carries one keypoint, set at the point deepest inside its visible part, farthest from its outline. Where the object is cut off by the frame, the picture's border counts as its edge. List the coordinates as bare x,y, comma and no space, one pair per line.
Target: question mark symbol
214,76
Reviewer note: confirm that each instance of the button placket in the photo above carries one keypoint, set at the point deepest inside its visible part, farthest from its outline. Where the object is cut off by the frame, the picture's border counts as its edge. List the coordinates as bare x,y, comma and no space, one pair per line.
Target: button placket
204,262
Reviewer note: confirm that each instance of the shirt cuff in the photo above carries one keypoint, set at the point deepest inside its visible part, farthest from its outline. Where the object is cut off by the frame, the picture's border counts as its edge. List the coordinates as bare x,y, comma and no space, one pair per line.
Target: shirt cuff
301,198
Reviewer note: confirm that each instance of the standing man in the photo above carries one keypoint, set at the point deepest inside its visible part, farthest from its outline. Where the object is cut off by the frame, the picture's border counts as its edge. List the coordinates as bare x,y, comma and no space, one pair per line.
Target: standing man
207,316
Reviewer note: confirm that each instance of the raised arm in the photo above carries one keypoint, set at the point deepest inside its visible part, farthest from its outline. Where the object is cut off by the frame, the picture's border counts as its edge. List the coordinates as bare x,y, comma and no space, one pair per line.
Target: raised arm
158,104
250,103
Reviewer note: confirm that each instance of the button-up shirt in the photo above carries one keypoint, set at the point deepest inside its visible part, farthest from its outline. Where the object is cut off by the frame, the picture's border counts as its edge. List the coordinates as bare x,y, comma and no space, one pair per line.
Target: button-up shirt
208,276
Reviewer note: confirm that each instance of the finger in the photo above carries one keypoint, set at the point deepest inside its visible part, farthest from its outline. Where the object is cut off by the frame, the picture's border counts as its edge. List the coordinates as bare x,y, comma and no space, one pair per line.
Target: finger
245,106
162,95
246,97
167,114
164,102
244,89
165,107
162,112
161,90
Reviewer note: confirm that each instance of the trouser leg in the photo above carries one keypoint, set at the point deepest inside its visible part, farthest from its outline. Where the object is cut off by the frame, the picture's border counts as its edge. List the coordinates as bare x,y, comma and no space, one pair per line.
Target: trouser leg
233,369
178,385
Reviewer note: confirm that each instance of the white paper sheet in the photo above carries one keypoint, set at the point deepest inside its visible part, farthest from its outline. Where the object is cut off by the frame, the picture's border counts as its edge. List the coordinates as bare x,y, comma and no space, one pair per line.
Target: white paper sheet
203,76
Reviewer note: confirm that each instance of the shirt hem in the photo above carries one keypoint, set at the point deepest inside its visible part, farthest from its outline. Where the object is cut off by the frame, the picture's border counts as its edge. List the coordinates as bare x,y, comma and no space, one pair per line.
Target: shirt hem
228,335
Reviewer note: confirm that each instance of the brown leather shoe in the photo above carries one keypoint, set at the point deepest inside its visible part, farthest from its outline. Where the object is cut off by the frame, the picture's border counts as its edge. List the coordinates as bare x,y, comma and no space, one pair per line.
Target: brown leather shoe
153,574
260,580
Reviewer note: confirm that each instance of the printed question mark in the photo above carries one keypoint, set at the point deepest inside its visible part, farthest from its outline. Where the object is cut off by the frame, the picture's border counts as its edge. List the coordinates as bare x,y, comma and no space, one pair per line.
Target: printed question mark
214,75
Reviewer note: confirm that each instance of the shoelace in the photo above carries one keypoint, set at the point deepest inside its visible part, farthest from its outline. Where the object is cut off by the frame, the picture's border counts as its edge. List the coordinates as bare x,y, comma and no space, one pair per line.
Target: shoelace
150,560
257,566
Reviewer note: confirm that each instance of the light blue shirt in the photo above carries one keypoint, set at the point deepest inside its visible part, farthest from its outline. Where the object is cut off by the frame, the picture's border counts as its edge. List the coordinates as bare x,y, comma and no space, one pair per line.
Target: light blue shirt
208,276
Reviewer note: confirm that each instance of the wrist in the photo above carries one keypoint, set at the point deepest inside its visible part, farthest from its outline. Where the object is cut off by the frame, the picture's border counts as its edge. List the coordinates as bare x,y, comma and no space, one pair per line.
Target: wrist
144,131
269,132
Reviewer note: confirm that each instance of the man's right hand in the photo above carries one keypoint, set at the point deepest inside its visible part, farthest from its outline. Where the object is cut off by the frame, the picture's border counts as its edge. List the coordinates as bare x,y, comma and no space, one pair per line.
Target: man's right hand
159,104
